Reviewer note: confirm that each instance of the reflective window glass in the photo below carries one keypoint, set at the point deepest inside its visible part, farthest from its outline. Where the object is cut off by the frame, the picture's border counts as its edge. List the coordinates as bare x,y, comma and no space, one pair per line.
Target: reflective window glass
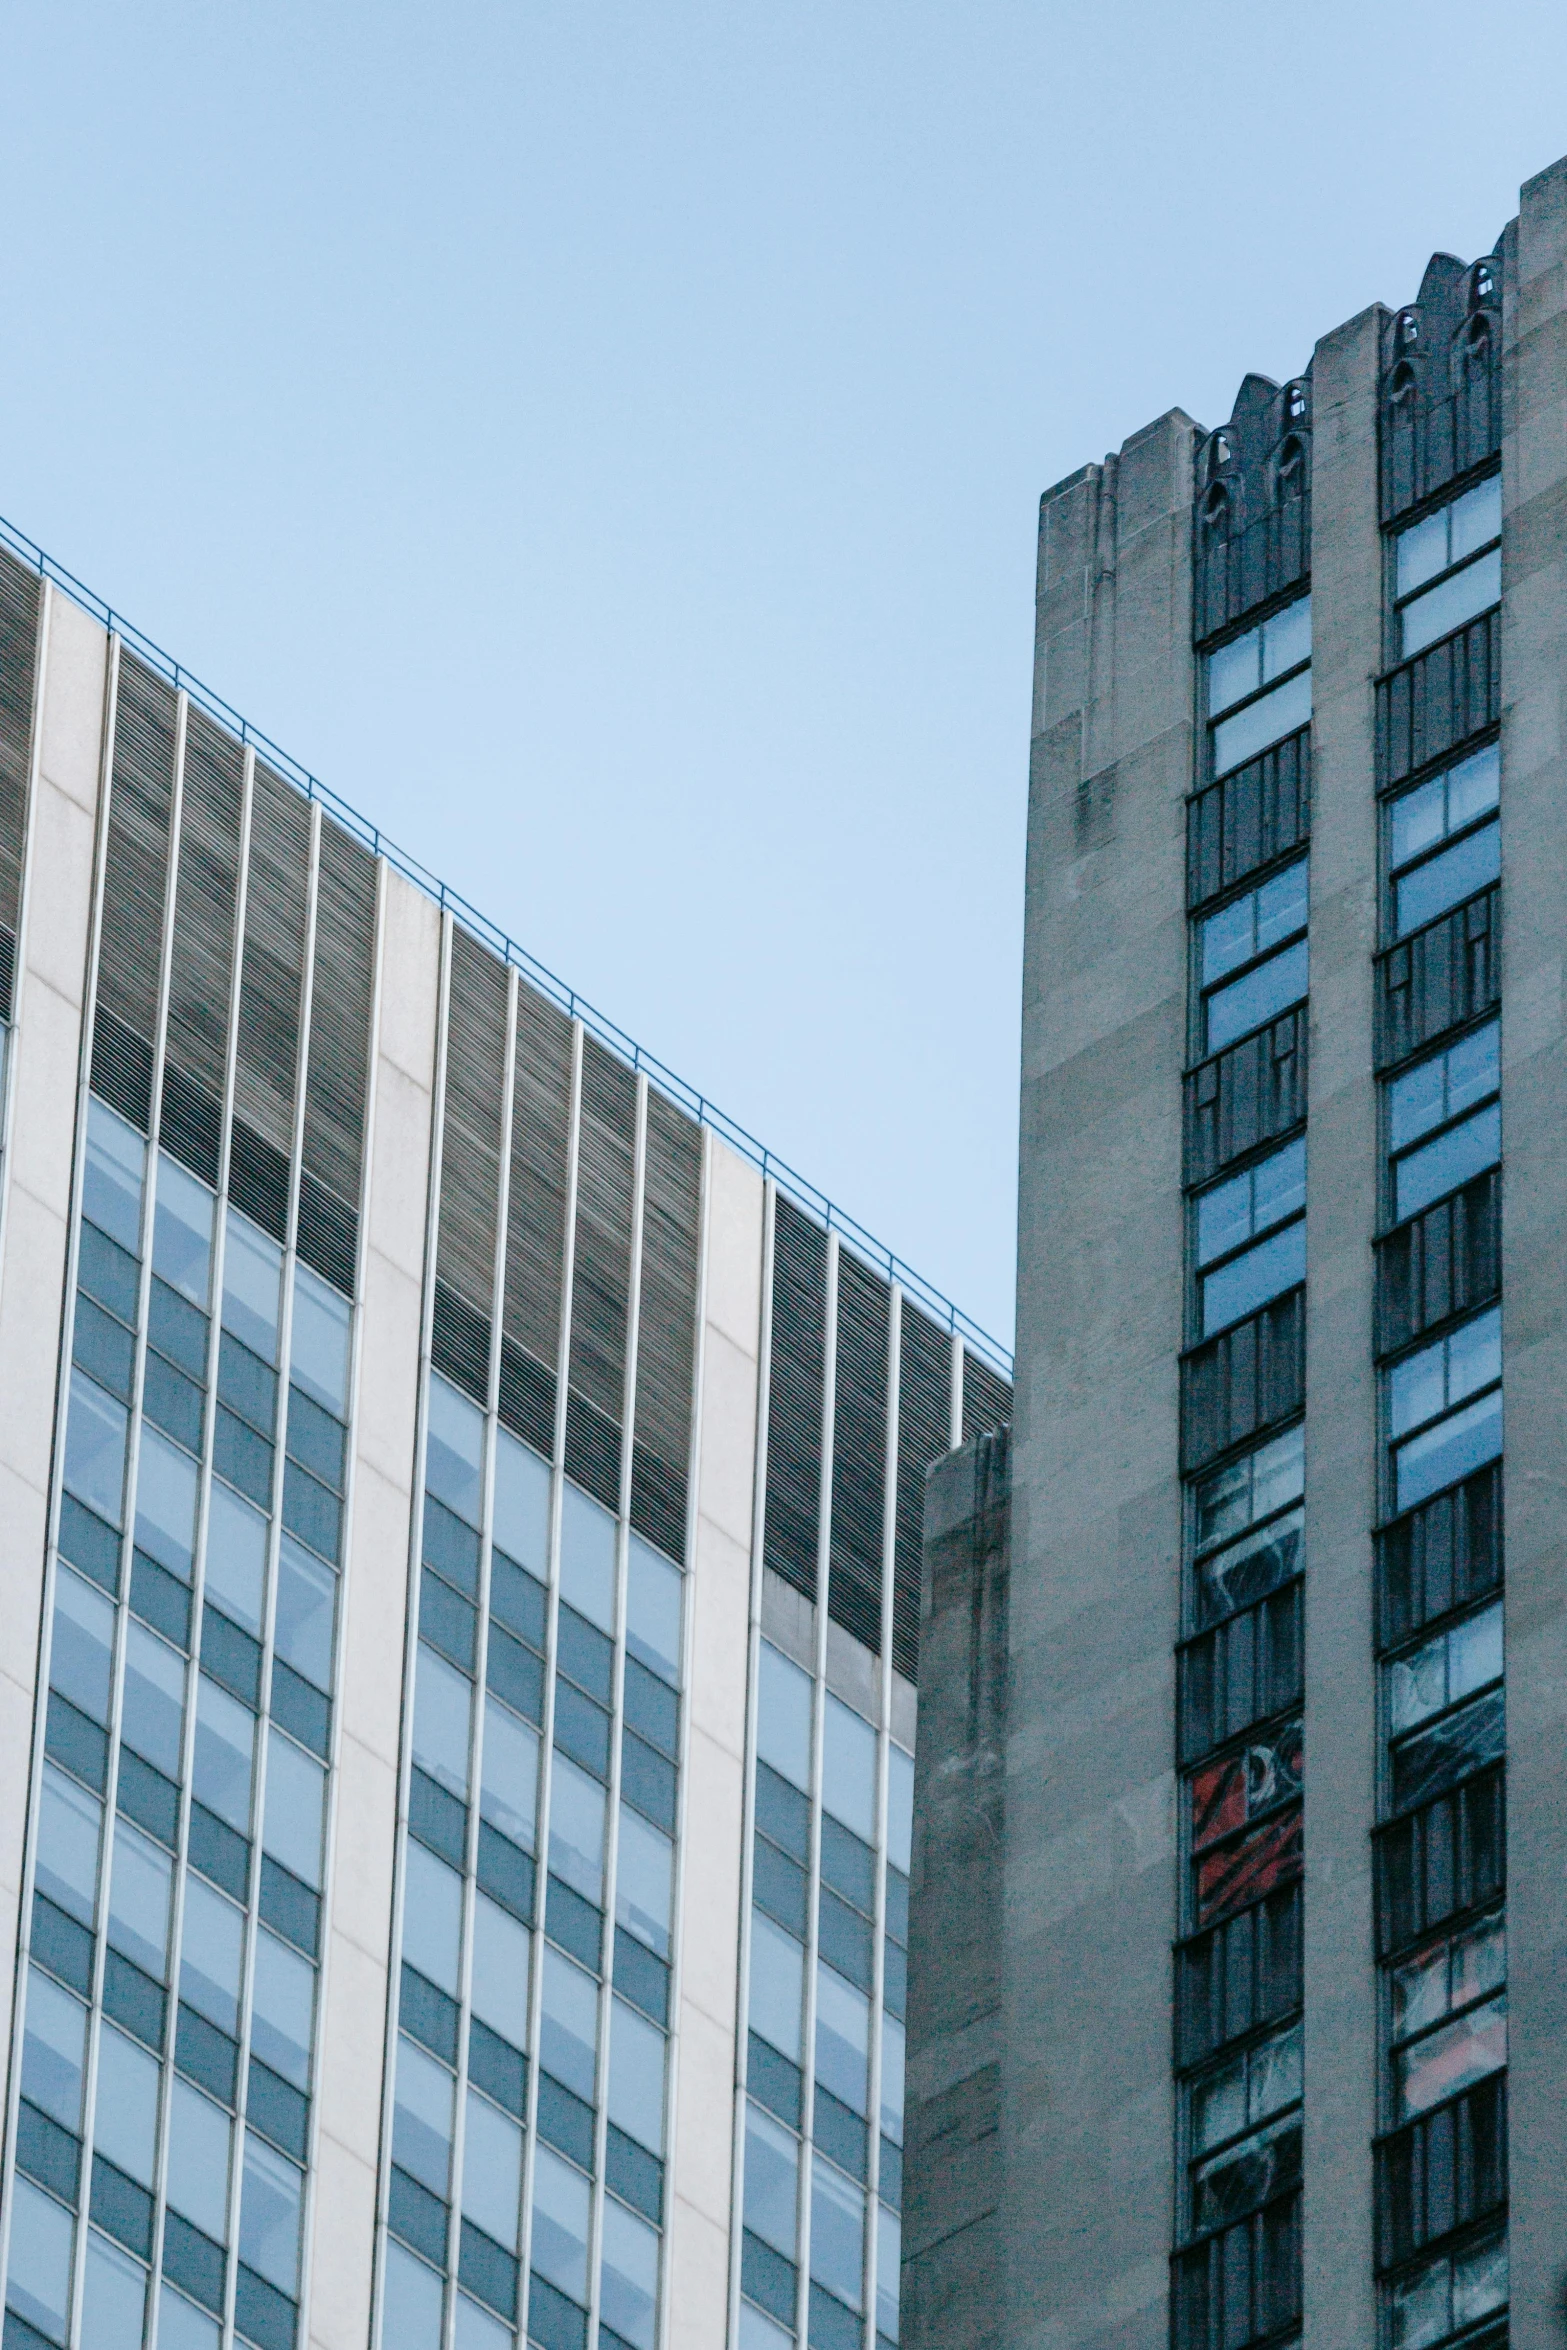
1448,1452
1266,720
900,1807
777,1985
628,2276
849,1769
1461,596
43,2241
892,2065
70,1823
306,1613
295,1816
125,2117
1250,1280
1451,2058
166,1481
568,2024
422,2118
509,1778
282,2013
1257,997
252,1285
152,1704
410,2303
560,2224
1443,1670
772,2181
200,2149
236,1557
1428,890
54,2051
432,1917
837,2233
225,1754
1445,1086
1447,803
1265,917
522,1503
212,1952
443,1720
577,1830
654,1590
318,1342
492,2171
843,2030
139,1886
783,1717
112,1177
1252,1202
636,2076
587,1557
1251,1488
501,1949
95,1435
81,1647
270,2200
182,1233
644,1881
1443,1374
454,1450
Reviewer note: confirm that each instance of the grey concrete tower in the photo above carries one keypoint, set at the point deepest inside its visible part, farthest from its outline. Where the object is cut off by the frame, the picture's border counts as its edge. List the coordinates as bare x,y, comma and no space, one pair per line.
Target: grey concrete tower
1282,1837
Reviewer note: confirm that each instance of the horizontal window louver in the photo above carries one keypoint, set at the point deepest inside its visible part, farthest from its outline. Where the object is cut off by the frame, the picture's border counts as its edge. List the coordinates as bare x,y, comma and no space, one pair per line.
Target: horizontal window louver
666,1326
20,593
471,1154
794,1398
341,983
271,988
924,1434
859,1453
535,1219
987,1398
201,973
135,885
601,1273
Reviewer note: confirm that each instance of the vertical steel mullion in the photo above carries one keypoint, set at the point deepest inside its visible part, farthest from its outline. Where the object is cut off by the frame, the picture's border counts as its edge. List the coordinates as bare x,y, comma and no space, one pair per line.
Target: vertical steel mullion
411,1622
955,1424
889,1538
552,1612
818,1741
748,1789
617,1706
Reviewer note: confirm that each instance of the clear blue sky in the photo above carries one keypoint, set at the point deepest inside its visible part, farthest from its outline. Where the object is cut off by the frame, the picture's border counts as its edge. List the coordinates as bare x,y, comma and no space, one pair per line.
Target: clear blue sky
604,443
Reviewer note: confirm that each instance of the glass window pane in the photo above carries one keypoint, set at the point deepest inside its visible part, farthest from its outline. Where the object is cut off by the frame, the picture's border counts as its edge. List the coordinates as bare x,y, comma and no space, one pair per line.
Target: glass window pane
1451,602
95,1448
443,1720
772,2181
569,2024
225,1754
1286,639
1258,997
587,1557
1450,2058
777,1986
54,2051
114,2296
900,1807
1234,671
1417,821
1474,785
629,2276
843,2028
644,1882
1470,865
112,1177
236,1557
501,1950
477,2330
422,2118
849,1769
889,2253
492,2171
522,1504
654,1590
636,2076
1474,1654
38,2286
70,1822
1422,552
1463,1442
295,1809
837,2233
509,1779
306,1613
212,1951
1476,519
139,1886
1229,937
269,2216
577,1830
454,1450
1442,1166
432,1916
81,1649
165,1502
252,1284
152,1717
410,2303
560,2224
762,2333
182,1233
282,2009
1250,1280
318,1342
783,1717
182,2326
1479,2280
125,2117
199,2150
1266,720
892,2061
1282,906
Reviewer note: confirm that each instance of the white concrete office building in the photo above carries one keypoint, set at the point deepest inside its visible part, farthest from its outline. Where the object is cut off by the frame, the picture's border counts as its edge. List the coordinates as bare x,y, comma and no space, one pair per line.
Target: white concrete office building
459,1560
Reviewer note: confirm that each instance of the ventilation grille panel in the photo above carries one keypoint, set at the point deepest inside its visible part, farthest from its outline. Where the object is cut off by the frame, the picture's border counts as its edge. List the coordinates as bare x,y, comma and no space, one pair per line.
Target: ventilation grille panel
272,972
338,1077
471,1150
135,885
666,1325
924,1434
859,1452
202,965
601,1273
794,1399
536,1219
20,597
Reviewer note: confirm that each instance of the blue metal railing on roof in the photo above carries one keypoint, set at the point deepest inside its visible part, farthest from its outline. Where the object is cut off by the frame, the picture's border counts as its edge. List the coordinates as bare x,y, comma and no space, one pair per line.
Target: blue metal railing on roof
697,1105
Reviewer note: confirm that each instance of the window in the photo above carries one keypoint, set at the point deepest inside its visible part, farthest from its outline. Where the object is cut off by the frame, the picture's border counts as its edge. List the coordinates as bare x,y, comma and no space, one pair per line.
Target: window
628,2273
1448,567
569,2025
849,1769
1446,1710
1448,2294
492,2171
422,2118
1248,1527
1259,687
772,2181
1439,1437
1444,1122
587,1557
1445,1670
1449,2017
1239,1269
1250,937
1242,2152
837,2233
1457,808
783,1724
777,1985
561,2198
